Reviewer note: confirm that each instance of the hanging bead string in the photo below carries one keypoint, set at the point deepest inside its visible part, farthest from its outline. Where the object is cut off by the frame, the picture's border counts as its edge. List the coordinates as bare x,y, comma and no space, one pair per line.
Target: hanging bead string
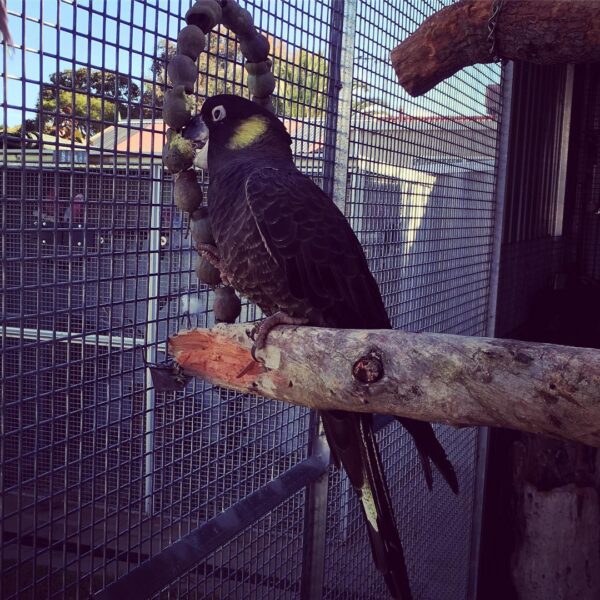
179,152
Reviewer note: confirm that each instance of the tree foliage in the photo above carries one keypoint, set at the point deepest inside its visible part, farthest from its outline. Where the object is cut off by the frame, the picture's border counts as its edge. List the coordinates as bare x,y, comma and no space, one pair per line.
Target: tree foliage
77,104
302,79
81,103
220,69
301,75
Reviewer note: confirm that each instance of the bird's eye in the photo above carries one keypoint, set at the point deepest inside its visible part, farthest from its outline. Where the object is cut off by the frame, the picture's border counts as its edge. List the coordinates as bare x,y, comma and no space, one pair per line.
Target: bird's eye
218,113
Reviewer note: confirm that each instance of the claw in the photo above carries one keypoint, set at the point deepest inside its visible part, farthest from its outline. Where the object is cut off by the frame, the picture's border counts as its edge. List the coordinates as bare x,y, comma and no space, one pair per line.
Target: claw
245,370
209,252
252,333
262,329
260,339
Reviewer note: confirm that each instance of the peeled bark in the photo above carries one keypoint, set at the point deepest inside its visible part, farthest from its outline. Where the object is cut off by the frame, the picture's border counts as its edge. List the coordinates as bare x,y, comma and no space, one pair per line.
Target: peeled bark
538,31
541,388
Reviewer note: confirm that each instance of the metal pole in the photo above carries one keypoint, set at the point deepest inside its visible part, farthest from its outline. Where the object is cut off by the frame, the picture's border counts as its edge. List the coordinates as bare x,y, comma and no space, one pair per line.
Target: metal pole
93,339
341,61
565,138
151,332
341,55
315,519
501,190
196,546
483,433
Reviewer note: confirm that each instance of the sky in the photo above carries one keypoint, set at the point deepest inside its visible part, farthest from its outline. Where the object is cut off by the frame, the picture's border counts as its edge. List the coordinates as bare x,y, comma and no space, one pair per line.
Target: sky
123,35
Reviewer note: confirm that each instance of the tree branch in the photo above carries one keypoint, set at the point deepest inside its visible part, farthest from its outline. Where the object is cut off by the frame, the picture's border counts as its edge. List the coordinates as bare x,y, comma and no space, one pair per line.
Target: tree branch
541,388
538,31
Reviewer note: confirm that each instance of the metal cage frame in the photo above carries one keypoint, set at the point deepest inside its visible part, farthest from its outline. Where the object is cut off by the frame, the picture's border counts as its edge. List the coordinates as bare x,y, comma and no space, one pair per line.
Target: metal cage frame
111,489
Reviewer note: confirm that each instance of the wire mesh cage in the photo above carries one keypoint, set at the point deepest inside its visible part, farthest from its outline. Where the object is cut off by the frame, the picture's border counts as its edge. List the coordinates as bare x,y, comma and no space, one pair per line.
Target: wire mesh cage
99,471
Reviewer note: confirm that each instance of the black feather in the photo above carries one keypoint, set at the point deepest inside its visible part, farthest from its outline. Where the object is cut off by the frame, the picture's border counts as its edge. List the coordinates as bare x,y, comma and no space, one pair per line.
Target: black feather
430,448
286,246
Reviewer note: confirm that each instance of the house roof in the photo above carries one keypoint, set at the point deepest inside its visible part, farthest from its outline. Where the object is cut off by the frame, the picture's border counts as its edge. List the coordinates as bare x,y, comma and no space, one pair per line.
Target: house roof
428,138
141,136
14,138
137,136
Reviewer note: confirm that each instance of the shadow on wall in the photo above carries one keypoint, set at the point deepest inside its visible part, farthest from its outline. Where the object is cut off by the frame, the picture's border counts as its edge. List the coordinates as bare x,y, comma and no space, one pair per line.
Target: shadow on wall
431,278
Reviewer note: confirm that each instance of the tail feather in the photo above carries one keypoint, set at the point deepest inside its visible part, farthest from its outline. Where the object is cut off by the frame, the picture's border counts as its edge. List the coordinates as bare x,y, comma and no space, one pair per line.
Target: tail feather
429,448
427,473
352,441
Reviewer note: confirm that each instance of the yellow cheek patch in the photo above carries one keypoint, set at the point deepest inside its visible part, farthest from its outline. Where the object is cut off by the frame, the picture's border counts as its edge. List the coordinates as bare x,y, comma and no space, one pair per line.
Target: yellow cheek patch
248,132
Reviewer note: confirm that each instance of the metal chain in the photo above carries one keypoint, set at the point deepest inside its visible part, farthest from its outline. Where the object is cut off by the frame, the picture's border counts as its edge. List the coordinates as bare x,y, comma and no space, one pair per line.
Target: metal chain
492,26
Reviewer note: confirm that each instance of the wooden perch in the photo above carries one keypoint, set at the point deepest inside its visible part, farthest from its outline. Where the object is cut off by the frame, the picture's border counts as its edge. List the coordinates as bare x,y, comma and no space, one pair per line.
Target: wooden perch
541,388
538,31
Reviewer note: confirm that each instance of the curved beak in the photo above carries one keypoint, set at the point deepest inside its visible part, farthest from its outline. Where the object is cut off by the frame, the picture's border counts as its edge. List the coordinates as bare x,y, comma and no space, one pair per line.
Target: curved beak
197,132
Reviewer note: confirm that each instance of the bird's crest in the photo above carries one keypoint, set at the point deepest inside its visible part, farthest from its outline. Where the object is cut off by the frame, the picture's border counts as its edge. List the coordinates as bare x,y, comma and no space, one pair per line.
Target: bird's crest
248,132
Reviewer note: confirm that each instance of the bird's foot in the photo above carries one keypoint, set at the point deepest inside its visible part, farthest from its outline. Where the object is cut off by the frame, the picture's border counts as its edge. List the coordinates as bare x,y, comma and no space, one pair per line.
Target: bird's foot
262,329
211,254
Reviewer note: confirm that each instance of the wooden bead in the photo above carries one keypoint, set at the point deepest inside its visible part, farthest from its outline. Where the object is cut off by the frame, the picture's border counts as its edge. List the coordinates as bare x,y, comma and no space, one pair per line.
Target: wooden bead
206,272
261,85
176,111
182,70
178,153
187,191
255,49
227,306
191,41
200,227
265,102
237,19
258,68
205,14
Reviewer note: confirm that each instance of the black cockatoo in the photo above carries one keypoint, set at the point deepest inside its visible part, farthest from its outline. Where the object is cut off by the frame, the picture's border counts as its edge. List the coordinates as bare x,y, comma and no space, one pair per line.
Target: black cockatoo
282,243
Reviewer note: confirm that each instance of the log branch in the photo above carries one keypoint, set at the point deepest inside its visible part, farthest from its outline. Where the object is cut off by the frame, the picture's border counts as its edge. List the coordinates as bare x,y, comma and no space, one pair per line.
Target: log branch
541,388
538,31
